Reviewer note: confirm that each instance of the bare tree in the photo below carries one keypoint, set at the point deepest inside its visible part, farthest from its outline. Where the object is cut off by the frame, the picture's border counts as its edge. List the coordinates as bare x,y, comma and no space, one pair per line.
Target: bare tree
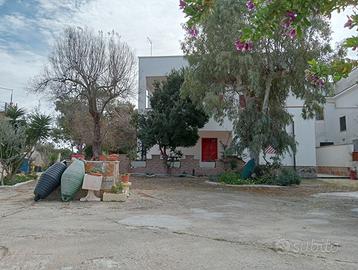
97,68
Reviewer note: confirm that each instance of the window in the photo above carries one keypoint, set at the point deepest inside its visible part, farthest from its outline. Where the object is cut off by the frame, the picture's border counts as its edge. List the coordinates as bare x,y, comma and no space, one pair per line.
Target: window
209,149
320,116
342,123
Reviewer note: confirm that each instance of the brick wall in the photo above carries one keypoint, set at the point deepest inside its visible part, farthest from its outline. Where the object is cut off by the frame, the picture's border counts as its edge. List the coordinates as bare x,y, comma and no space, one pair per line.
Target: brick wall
339,171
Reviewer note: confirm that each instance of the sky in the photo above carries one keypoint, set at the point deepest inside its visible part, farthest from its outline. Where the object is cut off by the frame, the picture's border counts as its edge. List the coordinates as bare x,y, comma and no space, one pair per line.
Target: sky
28,28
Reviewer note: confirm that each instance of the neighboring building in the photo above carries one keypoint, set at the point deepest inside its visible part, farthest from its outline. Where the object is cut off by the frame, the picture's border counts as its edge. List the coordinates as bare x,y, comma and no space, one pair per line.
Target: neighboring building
337,128
204,157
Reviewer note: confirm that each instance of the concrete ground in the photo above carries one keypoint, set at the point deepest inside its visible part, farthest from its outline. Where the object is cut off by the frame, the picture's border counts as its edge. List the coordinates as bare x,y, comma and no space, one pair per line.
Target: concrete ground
183,223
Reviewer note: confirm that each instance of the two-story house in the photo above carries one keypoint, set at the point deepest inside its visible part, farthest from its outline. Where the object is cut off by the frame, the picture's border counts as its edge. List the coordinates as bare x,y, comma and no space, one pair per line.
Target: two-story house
337,129
204,157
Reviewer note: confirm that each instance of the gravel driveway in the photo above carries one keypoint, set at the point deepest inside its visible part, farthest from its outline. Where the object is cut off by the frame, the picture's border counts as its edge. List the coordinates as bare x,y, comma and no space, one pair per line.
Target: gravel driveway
183,223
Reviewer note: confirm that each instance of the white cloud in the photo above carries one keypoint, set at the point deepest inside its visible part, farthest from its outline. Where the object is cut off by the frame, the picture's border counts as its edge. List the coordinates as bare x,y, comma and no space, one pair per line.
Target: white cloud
16,69
134,20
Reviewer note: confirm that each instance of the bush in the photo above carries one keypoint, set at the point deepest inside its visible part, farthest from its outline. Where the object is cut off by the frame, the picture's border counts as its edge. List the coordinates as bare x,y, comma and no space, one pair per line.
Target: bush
264,175
19,178
232,178
287,177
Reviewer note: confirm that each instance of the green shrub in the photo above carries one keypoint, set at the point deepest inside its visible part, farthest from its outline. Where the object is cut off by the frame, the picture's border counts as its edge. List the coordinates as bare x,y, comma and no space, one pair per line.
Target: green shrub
19,178
232,178
287,177
264,175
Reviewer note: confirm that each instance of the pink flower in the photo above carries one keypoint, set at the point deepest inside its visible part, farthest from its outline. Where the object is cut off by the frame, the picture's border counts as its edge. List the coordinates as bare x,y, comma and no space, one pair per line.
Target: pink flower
349,23
290,17
182,4
193,31
250,5
243,46
292,33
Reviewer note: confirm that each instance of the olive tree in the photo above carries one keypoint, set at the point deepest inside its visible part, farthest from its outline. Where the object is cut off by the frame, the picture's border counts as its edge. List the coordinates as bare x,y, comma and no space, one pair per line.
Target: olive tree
12,146
95,67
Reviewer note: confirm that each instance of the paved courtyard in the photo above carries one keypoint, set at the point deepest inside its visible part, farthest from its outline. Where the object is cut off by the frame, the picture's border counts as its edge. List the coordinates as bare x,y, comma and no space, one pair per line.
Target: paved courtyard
183,223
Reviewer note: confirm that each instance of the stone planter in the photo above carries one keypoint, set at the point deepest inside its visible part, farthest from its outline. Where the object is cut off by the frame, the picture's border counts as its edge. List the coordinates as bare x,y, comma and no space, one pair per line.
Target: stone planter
114,197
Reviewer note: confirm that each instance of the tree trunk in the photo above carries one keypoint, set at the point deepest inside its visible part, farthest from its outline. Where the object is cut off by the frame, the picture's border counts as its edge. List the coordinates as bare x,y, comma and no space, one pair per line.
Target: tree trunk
265,103
2,176
96,147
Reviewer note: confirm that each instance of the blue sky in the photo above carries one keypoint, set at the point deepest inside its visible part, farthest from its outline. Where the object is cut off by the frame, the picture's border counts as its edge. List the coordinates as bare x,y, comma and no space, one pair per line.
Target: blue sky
28,27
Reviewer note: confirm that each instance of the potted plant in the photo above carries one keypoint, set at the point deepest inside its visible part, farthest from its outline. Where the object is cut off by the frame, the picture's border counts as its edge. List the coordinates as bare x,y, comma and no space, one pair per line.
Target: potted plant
96,172
116,194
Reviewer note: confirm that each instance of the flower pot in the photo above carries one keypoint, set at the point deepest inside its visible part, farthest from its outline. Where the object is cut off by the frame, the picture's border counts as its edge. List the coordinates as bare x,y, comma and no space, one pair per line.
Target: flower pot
95,174
125,178
113,157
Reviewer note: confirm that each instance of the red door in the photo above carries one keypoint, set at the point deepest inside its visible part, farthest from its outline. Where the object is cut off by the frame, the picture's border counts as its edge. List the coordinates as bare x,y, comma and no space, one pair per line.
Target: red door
209,149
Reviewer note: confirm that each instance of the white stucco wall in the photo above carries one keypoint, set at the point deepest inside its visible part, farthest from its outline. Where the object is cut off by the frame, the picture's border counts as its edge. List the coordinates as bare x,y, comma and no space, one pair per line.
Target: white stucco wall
155,66
305,137
335,155
345,103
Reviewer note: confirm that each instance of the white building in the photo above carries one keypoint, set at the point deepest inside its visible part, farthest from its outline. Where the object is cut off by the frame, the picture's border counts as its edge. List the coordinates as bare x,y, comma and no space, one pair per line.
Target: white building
337,130
213,135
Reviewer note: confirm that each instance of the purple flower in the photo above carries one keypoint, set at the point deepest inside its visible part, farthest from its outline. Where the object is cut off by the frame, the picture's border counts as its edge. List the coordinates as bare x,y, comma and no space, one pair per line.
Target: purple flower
349,23
193,31
250,5
182,4
292,33
315,80
243,46
291,15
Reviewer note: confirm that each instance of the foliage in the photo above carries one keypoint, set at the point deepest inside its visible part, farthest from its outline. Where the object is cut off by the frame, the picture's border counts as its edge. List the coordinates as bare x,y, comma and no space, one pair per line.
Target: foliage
173,121
16,115
284,177
49,153
20,134
74,124
293,17
117,188
232,178
120,131
265,77
12,146
38,128
287,177
19,178
93,67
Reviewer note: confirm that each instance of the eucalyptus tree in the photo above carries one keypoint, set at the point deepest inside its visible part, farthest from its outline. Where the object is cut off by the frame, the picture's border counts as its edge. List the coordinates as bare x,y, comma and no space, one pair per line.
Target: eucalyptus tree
263,73
95,67
292,17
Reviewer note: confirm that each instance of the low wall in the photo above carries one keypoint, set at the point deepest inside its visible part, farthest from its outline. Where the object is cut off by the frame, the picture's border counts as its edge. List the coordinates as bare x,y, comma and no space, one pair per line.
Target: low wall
188,165
334,159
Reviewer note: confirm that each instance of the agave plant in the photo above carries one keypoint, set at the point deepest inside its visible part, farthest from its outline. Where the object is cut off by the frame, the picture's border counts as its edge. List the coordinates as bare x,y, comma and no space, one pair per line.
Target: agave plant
39,128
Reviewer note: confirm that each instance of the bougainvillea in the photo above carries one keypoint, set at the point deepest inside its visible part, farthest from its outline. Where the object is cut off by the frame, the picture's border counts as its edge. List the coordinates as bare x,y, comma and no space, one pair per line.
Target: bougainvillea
293,16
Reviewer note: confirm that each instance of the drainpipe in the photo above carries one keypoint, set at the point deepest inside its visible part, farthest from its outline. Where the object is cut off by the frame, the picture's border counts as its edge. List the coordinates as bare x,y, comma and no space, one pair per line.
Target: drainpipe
294,154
